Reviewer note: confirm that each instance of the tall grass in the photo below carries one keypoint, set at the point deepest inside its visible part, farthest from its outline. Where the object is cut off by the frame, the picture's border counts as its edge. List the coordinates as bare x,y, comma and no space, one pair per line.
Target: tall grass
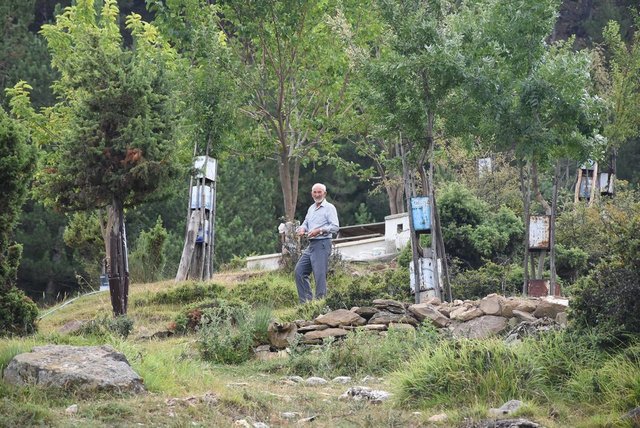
558,368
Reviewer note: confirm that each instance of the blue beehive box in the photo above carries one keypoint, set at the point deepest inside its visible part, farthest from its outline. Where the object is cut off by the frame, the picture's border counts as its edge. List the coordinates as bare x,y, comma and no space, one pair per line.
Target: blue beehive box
421,214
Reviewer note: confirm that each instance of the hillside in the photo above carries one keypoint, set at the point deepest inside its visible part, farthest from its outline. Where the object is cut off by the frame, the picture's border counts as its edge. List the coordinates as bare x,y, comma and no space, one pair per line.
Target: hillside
427,373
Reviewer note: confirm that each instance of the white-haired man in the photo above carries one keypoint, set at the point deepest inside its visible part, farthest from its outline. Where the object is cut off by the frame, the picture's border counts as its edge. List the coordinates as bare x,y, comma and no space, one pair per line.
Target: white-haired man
319,225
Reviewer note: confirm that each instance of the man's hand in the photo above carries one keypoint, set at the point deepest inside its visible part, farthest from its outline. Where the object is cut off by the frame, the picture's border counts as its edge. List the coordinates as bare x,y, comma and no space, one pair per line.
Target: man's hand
301,231
315,232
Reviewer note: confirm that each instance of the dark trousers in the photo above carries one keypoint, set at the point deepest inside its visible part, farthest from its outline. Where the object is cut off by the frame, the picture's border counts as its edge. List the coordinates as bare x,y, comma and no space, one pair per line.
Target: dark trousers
314,259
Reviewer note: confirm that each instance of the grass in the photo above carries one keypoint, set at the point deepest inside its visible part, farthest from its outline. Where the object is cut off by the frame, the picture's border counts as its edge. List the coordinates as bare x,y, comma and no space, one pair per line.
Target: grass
564,380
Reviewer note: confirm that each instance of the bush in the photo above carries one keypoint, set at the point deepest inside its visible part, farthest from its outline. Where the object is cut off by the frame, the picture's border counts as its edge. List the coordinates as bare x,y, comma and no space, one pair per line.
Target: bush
148,259
105,326
275,290
571,262
490,278
608,301
228,333
18,313
187,293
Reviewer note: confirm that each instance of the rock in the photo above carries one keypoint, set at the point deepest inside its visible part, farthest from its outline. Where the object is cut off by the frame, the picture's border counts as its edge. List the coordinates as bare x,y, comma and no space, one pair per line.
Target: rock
406,327
313,336
359,393
507,408
313,381
375,327
282,335
340,317
295,379
366,312
468,315
289,415
71,410
312,327
523,316
305,420
531,328
392,306
86,368
386,317
508,305
549,307
491,305
506,423
526,305
242,423
423,311
562,319
303,323
633,415
441,417
482,327
341,379
72,327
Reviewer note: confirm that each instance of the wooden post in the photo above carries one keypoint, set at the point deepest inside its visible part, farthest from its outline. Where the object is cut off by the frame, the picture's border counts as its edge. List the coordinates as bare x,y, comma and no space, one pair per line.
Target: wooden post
552,231
594,183
576,198
526,194
415,242
189,246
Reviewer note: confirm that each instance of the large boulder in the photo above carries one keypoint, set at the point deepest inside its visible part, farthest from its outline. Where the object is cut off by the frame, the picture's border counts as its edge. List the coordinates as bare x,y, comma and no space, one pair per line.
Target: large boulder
549,307
85,368
481,327
492,304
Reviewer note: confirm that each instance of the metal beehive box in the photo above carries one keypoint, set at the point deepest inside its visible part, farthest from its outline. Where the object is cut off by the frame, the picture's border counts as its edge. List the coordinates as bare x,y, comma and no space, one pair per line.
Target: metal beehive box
196,197
206,167
539,232
421,214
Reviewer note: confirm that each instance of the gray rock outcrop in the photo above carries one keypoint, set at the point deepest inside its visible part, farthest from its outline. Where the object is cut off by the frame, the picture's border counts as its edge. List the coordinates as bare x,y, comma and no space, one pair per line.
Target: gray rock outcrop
85,368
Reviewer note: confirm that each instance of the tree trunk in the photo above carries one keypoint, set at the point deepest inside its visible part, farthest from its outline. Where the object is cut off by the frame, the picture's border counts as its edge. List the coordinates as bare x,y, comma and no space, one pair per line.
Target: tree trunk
525,188
117,262
536,189
552,231
289,173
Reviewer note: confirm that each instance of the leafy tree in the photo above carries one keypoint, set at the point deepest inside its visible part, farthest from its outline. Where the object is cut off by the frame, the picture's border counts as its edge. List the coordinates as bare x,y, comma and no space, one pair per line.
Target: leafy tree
24,54
112,126
296,76
17,312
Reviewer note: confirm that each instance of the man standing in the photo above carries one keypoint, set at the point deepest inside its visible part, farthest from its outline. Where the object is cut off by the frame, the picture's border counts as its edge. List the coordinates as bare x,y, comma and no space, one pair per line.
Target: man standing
319,224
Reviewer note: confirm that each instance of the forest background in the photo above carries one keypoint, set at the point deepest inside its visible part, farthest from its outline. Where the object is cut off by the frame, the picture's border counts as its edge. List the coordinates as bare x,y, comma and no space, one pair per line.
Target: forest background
62,252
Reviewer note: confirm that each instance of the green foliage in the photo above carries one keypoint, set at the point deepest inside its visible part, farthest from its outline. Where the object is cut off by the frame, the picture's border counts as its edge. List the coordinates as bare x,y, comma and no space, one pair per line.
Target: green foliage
16,164
106,326
84,236
361,353
363,216
472,232
187,293
346,292
571,262
227,333
489,278
148,259
276,291
492,372
608,302
18,313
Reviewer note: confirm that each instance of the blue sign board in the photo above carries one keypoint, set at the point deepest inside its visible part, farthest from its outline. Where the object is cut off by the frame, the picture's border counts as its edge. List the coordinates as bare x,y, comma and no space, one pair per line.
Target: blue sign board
421,214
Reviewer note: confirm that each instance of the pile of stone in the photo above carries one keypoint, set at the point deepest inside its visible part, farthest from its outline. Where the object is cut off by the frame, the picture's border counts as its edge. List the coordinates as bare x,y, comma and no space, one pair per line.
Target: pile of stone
476,319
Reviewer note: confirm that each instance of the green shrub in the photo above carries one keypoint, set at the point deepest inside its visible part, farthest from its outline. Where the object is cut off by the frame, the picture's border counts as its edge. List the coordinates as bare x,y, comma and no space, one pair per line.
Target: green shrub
608,301
106,326
360,353
490,278
147,261
571,262
18,313
346,291
275,290
189,318
186,293
228,333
